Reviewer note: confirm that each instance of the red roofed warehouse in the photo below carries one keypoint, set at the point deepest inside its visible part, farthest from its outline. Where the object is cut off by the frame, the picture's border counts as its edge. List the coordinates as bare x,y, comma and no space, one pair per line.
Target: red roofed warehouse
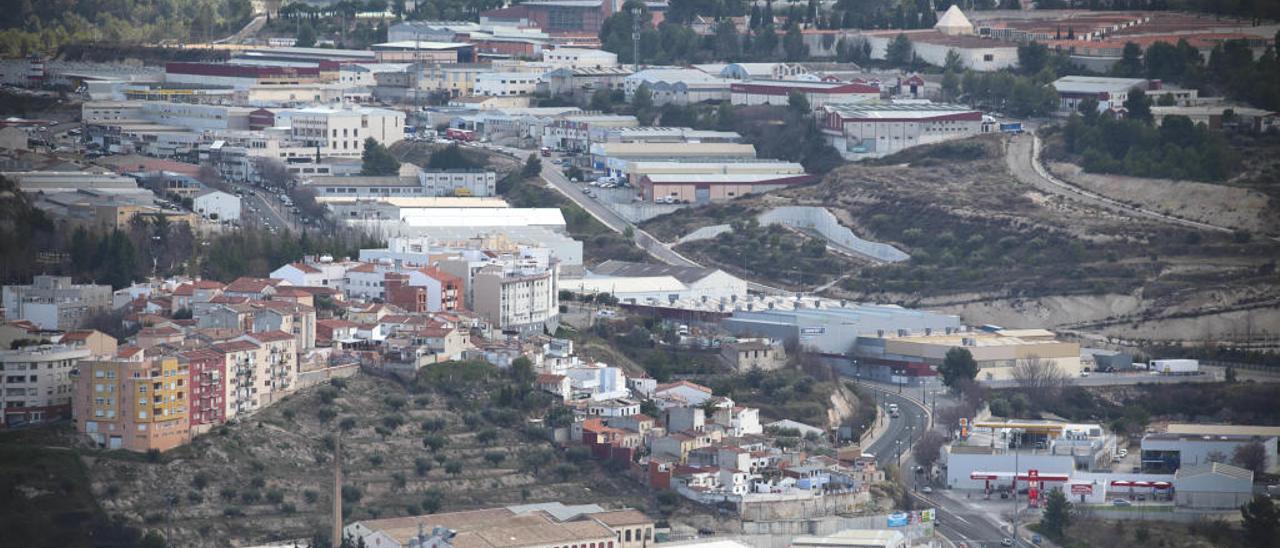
872,130
819,94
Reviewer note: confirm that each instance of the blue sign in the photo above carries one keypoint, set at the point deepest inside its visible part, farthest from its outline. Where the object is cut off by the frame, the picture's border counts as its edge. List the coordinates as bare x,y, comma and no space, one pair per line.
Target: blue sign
900,519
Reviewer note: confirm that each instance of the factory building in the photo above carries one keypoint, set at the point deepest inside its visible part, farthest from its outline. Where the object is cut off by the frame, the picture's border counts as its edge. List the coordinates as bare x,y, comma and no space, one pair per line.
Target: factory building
819,94
832,328
707,188
878,129
997,353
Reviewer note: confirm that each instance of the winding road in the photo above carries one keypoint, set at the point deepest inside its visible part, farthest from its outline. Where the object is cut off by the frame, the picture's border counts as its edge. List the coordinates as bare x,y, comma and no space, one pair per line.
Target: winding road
1022,154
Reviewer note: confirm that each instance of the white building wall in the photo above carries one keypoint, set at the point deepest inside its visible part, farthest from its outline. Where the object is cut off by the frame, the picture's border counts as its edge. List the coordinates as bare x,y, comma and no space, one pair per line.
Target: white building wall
981,59
501,84
961,465
219,205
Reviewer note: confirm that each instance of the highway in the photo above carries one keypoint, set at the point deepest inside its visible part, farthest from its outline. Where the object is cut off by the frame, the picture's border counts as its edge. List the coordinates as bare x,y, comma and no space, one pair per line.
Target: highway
961,523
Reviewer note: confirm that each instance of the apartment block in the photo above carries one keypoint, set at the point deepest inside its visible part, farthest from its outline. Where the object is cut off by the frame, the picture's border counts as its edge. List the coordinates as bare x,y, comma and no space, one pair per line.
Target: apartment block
35,382
133,405
523,300
208,372
54,302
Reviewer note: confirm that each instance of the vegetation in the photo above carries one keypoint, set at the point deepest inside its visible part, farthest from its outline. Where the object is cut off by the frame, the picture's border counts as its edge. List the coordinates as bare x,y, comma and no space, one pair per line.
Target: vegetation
1008,92
1177,149
773,252
957,366
452,157
43,26
1131,408
786,133
377,160
1261,521
49,502
1057,515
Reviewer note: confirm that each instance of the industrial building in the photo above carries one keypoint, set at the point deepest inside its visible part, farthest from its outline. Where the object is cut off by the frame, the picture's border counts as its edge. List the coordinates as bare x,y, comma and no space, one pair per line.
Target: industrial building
415,51
342,131
577,58
877,129
706,188
953,32
643,283
1109,92
830,327
679,86
636,169
818,93
1213,485
997,353
614,157
1168,451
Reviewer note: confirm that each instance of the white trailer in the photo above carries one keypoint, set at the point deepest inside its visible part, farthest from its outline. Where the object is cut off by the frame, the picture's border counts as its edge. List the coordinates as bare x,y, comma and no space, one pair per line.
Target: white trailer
1175,367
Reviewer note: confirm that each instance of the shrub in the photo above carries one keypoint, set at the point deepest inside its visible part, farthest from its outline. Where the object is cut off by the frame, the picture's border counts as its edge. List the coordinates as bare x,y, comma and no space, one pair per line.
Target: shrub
310,496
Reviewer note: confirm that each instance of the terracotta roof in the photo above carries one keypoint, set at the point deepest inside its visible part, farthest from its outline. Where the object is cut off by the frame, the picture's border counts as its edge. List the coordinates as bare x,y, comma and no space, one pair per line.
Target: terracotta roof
335,323
78,336
363,268
234,346
201,354
547,378
185,290
271,336
228,299
158,332
304,267
246,284
127,351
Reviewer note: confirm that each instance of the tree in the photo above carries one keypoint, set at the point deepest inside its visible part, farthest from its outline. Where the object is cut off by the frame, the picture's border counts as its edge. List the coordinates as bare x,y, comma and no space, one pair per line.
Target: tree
950,85
1137,105
306,35
642,104
1251,456
1130,64
953,63
899,52
1057,515
532,167
1261,522
1033,57
377,160
602,100
798,103
432,500
793,47
727,45
1041,380
958,365
926,450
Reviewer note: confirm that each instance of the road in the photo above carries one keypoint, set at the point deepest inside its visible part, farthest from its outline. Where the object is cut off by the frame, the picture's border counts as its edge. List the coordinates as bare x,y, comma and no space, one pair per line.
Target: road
958,522
266,208
1023,157
659,250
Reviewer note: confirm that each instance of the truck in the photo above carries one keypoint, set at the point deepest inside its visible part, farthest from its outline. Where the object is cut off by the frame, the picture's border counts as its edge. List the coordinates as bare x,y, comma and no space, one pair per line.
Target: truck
1011,127
546,152
1175,367
458,134
893,410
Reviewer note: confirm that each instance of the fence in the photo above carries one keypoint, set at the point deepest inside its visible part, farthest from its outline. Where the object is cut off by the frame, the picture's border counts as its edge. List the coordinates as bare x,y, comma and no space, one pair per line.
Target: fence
823,222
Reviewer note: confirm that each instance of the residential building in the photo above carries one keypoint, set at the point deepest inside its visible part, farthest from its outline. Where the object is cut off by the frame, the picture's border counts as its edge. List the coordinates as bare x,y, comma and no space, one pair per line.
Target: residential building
36,383
747,354
516,298
246,371
98,344
278,363
133,405
54,302
868,130
456,79
207,369
545,525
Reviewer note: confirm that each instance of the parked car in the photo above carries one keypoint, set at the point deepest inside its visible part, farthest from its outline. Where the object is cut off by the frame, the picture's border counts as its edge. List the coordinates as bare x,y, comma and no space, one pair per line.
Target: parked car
926,490
1121,502
1006,541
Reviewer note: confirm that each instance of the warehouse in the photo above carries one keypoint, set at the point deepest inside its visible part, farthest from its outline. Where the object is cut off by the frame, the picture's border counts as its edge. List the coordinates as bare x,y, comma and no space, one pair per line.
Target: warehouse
678,86
1165,451
831,328
615,156
412,51
996,353
819,94
1213,485
239,76
635,170
1109,92
873,130
706,188
953,32
643,283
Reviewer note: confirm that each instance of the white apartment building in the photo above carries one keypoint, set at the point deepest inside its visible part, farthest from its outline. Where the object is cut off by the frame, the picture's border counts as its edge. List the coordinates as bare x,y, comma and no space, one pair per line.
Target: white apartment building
579,58
53,302
518,298
501,84
342,131
35,382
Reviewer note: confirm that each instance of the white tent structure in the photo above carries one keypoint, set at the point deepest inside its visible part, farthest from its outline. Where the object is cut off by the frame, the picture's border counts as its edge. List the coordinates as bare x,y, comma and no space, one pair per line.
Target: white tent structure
954,23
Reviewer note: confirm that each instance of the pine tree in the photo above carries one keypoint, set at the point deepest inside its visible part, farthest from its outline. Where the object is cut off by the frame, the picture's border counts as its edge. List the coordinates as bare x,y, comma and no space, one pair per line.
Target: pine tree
377,160
1057,515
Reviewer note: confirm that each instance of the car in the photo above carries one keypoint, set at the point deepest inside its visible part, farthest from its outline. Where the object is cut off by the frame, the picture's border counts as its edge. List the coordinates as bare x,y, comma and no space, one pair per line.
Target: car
1121,502
1084,373
573,179
1123,452
1006,541
926,489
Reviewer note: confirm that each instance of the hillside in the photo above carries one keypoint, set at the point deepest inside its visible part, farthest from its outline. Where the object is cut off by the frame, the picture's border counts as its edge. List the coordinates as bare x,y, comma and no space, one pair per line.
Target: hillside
996,251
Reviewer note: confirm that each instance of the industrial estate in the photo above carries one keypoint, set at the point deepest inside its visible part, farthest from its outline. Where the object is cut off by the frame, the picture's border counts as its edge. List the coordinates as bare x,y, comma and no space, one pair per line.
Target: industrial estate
606,274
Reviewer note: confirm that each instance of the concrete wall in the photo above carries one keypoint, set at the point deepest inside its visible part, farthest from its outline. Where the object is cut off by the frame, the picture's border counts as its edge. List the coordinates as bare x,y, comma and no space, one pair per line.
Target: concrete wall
826,224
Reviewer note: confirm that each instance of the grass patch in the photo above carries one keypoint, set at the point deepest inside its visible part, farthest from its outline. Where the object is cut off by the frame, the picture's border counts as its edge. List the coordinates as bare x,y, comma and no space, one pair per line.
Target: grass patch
44,497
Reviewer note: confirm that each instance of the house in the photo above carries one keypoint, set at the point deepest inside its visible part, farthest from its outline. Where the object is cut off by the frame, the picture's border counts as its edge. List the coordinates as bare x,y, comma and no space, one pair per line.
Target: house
680,394
558,385
199,291
216,205
618,407
746,354
336,332
99,344
252,288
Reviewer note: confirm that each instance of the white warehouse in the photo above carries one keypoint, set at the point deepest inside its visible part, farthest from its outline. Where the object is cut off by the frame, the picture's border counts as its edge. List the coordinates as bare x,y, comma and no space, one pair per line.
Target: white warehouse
216,205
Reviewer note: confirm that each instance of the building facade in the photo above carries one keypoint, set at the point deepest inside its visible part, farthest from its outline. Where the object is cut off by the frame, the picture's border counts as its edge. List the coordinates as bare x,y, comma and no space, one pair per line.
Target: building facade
133,405
36,384
54,302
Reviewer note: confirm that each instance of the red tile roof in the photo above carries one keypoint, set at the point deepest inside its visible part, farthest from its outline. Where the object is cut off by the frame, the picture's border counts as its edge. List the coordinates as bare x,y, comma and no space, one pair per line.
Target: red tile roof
234,346
695,386
306,268
127,351
547,378
271,336
246,284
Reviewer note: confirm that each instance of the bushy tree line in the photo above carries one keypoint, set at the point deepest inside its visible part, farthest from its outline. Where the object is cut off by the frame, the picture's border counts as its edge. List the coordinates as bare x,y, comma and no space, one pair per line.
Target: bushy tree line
1177,149
1011,93
45,25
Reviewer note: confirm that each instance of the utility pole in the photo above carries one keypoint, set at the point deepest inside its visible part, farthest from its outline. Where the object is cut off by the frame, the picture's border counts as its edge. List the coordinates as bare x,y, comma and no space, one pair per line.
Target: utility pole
337,492
635,39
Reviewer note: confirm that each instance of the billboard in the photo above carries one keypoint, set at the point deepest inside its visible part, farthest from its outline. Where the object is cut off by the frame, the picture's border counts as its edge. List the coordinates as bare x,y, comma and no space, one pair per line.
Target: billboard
1081,489
899,519
928,516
